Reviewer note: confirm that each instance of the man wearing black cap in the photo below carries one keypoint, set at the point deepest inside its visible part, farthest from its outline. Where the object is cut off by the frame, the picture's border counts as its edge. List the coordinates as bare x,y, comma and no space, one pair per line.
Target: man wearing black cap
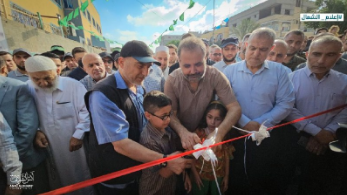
117,119
108,61
229,52
19,57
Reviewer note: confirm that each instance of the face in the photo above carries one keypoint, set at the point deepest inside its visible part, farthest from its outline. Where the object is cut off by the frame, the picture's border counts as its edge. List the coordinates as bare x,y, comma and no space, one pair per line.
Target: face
216,54
94,66
294,43
192,64
322,57
133,72
79,56
303,45
258,49
278,53
173,55
345,45
44,79
108,64
243,45
213,119
70,63
160,119
321,31
58,63
334,30
163,58
9,62
19,59
229,53
3,71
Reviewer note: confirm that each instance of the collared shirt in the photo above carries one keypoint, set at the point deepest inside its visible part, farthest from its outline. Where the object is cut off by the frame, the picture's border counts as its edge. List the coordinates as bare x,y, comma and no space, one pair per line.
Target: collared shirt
9,154
166,73
89,82
15,74
190,106
221,65
238,58
266,95
151,181
63,110
340,66
109,121
296,60
155,79
313,95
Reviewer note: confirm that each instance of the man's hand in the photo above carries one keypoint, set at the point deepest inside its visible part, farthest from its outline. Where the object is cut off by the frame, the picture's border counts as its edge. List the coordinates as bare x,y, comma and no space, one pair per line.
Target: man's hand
324,137
40,139
10,191
189,139
252,126
179,164
75,144
224,185
315,147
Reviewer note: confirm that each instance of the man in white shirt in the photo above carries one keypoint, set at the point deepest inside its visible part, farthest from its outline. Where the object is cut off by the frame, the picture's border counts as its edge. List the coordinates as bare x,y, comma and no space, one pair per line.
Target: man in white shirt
64,120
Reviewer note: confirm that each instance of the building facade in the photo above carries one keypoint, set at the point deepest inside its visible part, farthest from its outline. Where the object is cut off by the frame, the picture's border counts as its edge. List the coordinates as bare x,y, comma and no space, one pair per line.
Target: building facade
279,15
217,36
45,14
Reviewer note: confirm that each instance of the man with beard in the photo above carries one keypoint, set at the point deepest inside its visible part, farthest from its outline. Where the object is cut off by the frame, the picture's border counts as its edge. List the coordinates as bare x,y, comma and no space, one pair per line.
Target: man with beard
95,67
266,96
64,120
155,79
9,60
192,87
294,40
70,63
19,57
229,51
162,55
173,54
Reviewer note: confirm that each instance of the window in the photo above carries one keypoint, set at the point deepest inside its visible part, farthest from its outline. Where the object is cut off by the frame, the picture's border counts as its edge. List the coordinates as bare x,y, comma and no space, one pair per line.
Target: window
84,13
88,15
94,23
286,12
58,2
68,4
71,31
298,3
89,42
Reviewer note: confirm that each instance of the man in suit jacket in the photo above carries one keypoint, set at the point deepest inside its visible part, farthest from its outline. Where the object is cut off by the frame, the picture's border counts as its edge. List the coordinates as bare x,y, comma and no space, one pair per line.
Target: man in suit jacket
18,108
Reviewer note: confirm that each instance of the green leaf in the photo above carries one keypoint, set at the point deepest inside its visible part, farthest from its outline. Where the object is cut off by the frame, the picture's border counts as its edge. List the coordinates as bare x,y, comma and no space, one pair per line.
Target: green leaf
182,17
191,4
175,22
84,5
171,28
76,13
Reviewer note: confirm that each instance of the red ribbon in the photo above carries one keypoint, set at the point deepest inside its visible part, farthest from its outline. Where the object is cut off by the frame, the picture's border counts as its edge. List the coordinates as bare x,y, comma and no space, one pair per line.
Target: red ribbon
129,170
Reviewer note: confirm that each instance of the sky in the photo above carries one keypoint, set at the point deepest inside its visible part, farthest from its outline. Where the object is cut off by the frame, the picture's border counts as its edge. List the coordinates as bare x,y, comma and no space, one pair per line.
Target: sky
145,20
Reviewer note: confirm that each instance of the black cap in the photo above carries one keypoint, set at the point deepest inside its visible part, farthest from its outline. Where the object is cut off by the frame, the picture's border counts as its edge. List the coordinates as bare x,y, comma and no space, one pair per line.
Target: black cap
21,50
230,41
105,54
139,51
116,57
67,55
205,41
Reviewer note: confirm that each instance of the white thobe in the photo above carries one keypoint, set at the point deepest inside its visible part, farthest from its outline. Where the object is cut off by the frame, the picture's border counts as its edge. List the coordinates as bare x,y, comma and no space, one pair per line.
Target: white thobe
63,115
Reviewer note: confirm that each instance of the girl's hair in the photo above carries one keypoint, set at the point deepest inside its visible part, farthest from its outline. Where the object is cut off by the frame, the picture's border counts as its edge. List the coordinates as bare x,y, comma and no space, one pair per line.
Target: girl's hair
213,105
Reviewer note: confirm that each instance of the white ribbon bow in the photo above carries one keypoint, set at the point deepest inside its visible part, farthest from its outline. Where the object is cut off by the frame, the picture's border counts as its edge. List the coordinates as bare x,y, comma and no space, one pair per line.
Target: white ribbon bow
257,136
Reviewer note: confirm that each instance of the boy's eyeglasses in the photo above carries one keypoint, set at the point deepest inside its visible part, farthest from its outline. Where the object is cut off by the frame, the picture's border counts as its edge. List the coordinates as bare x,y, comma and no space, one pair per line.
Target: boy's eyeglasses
163,118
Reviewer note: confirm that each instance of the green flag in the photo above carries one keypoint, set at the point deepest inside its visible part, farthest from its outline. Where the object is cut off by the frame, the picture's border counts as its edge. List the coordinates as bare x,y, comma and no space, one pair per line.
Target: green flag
101,38
175,22
84,5
69,17
191,4
171,28
76,12
63,21
156,41
80,27
159,39
182,17
92,1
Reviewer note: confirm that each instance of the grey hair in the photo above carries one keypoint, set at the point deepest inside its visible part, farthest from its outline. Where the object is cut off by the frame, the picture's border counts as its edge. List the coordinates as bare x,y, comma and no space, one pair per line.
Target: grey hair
326,38
190,44
213,46
281,42
246,37
263,32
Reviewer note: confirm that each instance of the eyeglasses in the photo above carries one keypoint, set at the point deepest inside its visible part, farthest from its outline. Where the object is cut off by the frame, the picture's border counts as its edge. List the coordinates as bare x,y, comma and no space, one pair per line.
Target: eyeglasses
217,54
107,61
163,118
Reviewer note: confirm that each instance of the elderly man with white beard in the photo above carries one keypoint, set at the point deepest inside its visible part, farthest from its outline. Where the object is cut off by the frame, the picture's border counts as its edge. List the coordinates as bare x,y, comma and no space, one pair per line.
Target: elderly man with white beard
64,120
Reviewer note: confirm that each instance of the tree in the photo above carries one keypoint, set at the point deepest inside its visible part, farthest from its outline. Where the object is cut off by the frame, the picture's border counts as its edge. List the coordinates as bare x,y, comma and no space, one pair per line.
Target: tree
175,42
246,26
330,6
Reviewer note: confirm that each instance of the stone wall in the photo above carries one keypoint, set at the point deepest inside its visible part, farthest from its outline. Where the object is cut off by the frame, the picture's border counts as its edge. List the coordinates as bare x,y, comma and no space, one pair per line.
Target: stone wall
37,40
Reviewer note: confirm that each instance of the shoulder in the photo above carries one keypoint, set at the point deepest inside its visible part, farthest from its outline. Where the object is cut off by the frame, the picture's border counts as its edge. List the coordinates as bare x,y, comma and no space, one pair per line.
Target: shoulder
299,59
11,81
234,67
341,76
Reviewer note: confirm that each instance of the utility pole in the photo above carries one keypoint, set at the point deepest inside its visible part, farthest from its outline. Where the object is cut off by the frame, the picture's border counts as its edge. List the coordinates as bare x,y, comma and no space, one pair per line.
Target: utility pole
214,4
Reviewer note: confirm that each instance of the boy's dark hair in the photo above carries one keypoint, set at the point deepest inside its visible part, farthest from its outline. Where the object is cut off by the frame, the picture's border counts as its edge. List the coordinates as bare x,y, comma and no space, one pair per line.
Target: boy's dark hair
155,100
77,50
213,105
2,53
49,54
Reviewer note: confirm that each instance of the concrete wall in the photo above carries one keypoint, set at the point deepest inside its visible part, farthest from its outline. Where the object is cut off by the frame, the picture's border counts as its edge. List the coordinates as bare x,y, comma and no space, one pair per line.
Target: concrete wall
37,40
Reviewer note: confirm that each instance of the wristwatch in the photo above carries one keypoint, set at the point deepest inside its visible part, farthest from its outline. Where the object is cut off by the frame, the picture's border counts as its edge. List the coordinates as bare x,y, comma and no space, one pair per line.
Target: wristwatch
163,164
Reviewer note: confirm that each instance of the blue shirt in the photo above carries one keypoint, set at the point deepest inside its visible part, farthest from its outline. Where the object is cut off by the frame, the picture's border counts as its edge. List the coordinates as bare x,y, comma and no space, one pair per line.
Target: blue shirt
313,95
266,95
238,58
109,121
155,79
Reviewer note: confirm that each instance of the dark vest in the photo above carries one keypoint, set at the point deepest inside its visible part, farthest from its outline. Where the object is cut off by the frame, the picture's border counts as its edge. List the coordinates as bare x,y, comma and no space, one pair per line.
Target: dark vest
103,159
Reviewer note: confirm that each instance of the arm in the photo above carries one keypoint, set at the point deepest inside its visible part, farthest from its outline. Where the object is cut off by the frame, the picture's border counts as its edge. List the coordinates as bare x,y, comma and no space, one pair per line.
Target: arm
233,114
339,118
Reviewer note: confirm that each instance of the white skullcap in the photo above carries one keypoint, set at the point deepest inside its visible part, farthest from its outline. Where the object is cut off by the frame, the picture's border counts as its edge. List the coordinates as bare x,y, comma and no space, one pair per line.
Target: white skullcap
39,63
162,48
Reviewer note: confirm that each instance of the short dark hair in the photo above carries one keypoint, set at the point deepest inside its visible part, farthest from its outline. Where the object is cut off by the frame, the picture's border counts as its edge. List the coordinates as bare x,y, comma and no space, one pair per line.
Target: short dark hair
77,50
49,54
80,64
186,35
155,100
296,32
218,105
172,46
2,53
319,29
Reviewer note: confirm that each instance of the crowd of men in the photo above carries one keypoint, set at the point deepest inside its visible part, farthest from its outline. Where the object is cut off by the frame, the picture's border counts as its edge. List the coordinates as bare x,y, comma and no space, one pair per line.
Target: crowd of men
66,117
